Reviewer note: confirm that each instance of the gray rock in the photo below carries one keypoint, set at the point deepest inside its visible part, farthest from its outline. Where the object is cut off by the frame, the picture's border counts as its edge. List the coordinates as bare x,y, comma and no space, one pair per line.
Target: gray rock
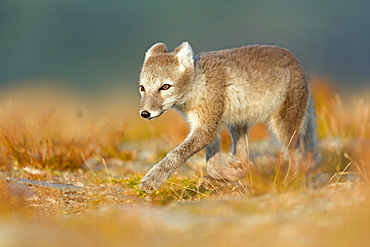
18,189
46,184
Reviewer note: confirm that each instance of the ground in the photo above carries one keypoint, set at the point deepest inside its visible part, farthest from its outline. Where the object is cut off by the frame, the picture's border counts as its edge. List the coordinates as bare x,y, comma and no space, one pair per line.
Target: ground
70,174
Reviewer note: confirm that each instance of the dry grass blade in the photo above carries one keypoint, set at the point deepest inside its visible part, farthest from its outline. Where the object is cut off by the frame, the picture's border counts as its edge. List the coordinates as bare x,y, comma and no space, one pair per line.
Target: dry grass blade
339,174
197,191
108,174
361,170
282,159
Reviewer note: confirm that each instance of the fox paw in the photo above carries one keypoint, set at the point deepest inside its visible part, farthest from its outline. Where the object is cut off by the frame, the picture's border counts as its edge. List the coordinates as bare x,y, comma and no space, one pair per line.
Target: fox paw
233,174
240,163
153,180
146,187
227,173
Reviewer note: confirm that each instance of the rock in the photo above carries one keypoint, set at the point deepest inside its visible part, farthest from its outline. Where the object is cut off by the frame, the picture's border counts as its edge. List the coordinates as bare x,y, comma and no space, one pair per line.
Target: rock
46,184
18,189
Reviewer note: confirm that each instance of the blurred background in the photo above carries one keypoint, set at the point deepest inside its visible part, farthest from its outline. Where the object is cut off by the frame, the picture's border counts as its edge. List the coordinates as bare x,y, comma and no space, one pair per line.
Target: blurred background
93,46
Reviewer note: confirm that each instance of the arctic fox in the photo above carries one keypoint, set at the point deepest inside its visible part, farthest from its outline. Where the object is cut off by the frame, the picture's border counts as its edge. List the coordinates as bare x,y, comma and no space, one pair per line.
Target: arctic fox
236,87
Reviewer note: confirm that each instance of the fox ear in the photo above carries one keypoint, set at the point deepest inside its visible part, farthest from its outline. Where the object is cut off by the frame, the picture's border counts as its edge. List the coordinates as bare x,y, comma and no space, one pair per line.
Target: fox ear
155,50
184,54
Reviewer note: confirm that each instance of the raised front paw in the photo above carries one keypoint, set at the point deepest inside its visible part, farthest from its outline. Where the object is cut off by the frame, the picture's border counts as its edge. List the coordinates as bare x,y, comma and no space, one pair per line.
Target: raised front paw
153,179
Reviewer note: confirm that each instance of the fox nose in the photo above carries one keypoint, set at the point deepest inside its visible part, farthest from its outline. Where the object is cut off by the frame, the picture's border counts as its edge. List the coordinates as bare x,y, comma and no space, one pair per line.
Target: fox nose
145,114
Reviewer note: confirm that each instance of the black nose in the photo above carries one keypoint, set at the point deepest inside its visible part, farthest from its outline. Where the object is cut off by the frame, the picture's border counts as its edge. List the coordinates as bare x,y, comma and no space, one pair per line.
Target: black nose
145,114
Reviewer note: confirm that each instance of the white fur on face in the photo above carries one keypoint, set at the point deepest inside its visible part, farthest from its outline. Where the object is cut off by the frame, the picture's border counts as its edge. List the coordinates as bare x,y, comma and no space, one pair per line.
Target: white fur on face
169,96
154,114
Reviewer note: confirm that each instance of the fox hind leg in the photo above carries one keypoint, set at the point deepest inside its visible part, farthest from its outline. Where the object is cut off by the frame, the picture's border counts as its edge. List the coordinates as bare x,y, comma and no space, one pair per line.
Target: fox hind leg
308,140
240,150
215,167
294,126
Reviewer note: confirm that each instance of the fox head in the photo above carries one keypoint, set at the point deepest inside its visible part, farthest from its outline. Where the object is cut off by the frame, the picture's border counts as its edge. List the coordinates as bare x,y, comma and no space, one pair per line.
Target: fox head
165,78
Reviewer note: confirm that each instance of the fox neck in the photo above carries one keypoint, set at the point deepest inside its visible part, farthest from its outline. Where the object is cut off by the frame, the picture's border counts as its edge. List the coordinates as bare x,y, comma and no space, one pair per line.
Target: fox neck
191,97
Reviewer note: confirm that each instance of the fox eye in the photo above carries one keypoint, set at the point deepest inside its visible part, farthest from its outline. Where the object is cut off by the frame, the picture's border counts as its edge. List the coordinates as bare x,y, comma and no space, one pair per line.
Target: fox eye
142,89
165,87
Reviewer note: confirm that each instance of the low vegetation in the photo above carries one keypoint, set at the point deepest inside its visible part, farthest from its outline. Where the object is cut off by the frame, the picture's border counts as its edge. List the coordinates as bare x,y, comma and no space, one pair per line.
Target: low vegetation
70,169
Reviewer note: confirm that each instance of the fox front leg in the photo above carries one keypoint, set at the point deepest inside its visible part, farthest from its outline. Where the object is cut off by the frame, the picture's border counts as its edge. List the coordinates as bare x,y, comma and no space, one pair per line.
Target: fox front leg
158,175
196,141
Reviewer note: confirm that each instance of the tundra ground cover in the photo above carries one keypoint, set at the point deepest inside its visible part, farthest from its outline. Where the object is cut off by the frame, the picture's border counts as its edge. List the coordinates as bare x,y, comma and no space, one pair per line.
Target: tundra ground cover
70,169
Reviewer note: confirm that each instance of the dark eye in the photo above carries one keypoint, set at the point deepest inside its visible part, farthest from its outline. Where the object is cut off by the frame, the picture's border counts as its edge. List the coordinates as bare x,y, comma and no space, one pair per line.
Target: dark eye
142,89
165,87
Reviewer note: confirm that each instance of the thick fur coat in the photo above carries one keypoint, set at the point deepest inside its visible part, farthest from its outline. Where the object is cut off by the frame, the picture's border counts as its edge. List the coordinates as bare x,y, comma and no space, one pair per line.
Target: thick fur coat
236,87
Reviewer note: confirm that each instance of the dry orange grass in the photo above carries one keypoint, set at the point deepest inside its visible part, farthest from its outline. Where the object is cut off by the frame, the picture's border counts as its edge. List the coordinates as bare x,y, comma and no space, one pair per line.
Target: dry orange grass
345,121
54,134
